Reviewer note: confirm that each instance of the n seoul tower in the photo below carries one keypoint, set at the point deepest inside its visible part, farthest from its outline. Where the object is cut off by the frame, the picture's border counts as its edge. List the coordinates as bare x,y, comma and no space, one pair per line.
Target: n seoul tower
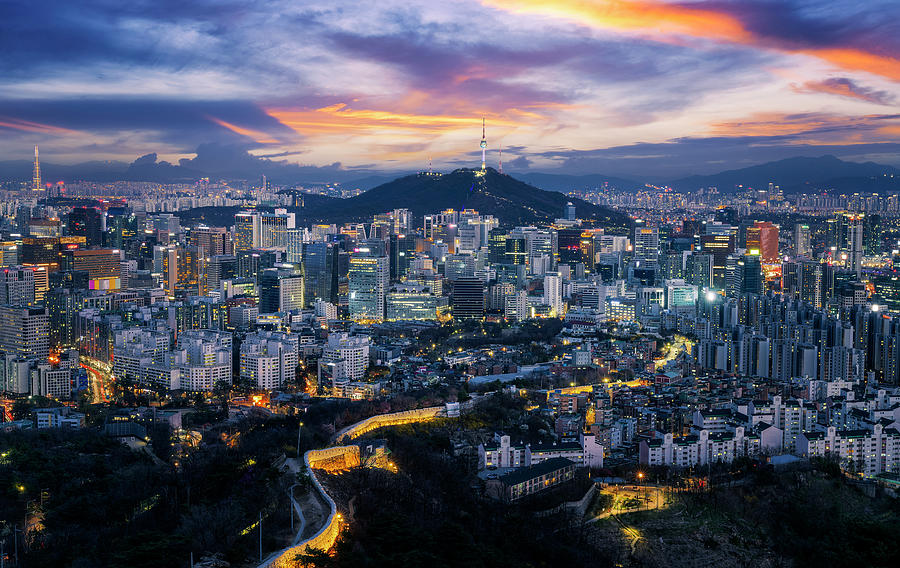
483,146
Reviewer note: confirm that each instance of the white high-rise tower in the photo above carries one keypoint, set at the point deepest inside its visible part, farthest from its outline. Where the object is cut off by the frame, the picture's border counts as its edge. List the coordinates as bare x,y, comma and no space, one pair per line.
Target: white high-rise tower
36,173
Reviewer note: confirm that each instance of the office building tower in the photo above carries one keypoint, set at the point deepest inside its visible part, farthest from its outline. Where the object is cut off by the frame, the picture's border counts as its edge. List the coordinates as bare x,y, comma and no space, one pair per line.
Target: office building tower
251,262
280,290
294,243
414,302
402,251
368,280
646,244
719,245
25,332
320,270
104,266
569,213
700,270
872,235
246,231
62,307
86,222
212,241
568,242
744,275
458,266
468,299
802,242
762,237
516,250
497,246
274,227
17,286
220,267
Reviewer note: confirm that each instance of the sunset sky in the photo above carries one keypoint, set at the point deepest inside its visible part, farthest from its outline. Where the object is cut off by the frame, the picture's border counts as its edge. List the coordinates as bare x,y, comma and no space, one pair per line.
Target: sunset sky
584,86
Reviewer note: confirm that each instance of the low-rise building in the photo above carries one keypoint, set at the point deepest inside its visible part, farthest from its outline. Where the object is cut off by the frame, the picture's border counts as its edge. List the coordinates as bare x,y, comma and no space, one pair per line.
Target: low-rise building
526,481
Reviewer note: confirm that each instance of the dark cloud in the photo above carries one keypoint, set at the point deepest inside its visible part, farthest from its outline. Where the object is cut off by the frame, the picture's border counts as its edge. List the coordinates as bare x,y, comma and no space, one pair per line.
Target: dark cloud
520,163
845,87
182,123
799,24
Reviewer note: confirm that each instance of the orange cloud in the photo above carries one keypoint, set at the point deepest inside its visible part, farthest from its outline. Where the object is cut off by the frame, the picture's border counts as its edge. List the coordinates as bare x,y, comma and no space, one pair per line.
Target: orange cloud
29,126
819,128
258,136
340,118
663,21
844,87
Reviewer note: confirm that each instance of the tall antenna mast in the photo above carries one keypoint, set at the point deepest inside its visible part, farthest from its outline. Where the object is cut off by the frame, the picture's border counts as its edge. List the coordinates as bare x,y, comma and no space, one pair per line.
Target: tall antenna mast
429,164
483,145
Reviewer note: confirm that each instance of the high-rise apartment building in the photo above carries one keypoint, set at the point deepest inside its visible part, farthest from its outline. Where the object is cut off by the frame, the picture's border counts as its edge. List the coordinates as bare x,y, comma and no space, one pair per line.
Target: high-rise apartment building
802,243
268,360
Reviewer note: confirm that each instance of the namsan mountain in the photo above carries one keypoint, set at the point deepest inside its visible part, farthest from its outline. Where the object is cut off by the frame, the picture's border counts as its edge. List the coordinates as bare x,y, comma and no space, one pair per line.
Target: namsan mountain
489,192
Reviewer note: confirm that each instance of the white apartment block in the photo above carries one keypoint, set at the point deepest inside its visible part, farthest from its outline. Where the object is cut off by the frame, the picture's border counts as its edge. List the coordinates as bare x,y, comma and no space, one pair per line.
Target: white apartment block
353,351
868,452
201,360
268,360
699,449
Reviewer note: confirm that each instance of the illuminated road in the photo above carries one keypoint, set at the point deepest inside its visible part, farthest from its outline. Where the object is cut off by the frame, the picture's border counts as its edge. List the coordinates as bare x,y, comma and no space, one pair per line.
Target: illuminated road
679,345
97,385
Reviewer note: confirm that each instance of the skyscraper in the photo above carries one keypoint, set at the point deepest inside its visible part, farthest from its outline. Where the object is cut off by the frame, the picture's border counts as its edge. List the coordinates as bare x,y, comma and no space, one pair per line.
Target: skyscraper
367,287
36,183
802,240
25,332
320,269
855,245
246,231
553,294
17,286
810,287
280,290
646,244
468,299
763,238
85,222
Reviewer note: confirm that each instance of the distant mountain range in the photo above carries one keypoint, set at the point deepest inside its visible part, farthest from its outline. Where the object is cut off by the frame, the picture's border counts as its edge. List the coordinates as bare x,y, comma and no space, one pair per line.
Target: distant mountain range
221,162
510,200
564,183
799,174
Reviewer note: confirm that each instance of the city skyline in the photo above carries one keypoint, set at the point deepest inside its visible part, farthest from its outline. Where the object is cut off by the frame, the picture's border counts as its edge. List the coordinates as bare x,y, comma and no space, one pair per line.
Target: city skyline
598,87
